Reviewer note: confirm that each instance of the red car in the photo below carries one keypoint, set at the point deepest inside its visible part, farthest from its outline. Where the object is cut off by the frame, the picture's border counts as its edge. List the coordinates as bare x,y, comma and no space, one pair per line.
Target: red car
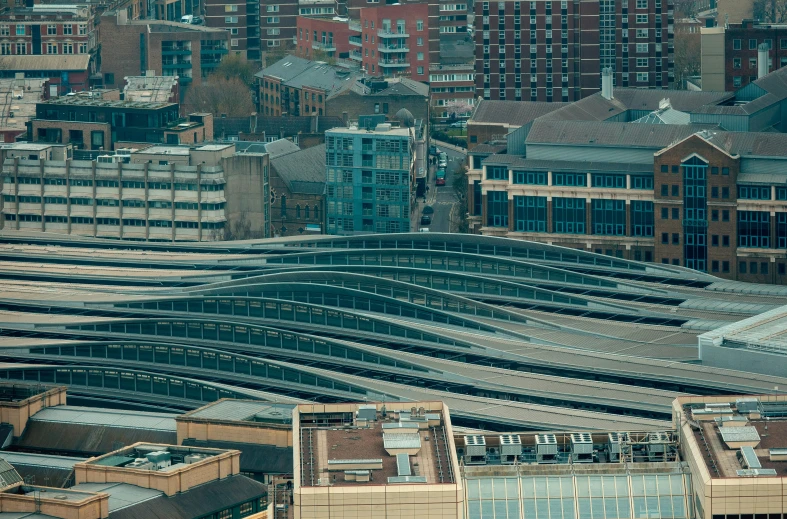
440,178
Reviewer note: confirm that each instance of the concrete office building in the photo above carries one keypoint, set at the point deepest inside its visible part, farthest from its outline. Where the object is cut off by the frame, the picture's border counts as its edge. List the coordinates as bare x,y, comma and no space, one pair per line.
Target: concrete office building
164,193
555,50
370,180
634,174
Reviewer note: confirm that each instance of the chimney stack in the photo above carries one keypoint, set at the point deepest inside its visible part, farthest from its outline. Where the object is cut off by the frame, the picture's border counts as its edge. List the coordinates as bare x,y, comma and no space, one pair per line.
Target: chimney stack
762,60
606,83
253,122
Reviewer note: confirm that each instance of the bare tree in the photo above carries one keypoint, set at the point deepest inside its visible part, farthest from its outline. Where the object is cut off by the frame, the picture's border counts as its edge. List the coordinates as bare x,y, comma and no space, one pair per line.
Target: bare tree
686,57
219,95
770,11
234,66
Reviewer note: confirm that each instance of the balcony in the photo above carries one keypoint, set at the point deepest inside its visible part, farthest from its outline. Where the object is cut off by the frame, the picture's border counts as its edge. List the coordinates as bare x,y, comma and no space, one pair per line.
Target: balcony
394,63
356,40
172,65
175,51
325,46
393,48
213,49
386,33
355,55
355,26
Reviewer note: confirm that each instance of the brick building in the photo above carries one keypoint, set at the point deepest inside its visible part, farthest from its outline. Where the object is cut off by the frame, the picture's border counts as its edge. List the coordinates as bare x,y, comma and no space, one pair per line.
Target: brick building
295,86
64,74
98,124
555,50
492,121
298,192
47,30
633,174
133,47
241,19
327,37
730,54
20,97
452,77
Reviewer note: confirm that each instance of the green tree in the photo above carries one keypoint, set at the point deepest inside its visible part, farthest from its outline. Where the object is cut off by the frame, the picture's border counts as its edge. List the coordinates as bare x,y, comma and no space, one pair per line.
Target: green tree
459,221
218,95
234,66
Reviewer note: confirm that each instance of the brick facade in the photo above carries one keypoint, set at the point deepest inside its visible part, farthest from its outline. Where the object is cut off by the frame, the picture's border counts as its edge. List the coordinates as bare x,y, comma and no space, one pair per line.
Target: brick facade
740,51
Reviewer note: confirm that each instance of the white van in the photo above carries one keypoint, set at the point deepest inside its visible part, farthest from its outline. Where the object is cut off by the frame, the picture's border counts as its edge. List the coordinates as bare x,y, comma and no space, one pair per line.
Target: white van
187,19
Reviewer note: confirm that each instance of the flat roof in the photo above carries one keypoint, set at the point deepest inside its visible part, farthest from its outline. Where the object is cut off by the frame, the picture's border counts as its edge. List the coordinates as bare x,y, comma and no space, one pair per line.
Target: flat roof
767,330
40,460
393,132
93,102
183,151
107,417
243,411
121,495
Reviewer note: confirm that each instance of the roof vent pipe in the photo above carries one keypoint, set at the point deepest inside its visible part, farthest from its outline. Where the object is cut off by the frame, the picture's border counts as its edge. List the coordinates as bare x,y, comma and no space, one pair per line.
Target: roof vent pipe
606,83
762,60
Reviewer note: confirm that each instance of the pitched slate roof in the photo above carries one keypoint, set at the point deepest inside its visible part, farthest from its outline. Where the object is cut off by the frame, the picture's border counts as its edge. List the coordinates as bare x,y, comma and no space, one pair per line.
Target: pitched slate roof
513,113
200,501
303,171
45,62
405,87
762,144
223,126
254,457
280,148
297,72
591,133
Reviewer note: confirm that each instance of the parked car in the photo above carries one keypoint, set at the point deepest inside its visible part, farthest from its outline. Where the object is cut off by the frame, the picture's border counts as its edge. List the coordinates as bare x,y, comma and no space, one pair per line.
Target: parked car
459,124
440,177
197,20
442,162
428,210
434,150
426,219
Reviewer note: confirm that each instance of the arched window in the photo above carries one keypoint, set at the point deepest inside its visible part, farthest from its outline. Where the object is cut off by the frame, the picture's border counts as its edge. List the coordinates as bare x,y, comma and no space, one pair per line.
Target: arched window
316,212
306,212
297,210
283,205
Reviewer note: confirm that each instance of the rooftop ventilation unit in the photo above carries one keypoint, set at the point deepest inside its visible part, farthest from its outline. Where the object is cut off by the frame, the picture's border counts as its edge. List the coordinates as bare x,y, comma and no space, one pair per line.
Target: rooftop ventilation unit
658,445
581,447
366,412
546,448
510,448
475,450
403,465
617,445
140,464
748,458
747,405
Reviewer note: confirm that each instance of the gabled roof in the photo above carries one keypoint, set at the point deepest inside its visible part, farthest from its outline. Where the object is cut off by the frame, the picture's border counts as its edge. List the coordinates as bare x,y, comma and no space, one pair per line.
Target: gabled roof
512,113
405,87
297,72
254,457
665,116
303,171
762,144
223,126
591,133
67,62
280,147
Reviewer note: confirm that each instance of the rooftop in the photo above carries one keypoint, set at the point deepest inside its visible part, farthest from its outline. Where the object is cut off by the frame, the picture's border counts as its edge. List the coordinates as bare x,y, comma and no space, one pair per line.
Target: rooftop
64,63
303,171
243,411
512,113
85,101
360,452
150,89
297,72
591,133
19,101
392,132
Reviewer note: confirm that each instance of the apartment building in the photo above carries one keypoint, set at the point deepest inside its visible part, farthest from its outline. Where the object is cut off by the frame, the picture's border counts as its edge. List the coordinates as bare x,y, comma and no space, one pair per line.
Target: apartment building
42,30
278,22
163,193
370,180
241,19
88,122
298,192
634,175
320,38
730,54
295,86
133,47
555,50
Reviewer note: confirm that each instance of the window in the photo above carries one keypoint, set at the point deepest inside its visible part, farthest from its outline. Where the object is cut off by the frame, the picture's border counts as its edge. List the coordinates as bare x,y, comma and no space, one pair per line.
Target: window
642,48
736,44
714,192
530,213
742,267
608,180
569,179
268,8
664,190
642,4
68,48
269,19
752,44
642,76
736,81
638,182
736,63
642,62
51,30
665,213
609,217
419,25
5,30
20,30
82,28
420,42
5,49
754,192
642,18
530,177
642,33
420,56
754,229
419,71
714,215
675,190
714,266
665,238
642,218
234,19
568,215
715,240
497,209
725,192
725,215
68,29
497,173
51,48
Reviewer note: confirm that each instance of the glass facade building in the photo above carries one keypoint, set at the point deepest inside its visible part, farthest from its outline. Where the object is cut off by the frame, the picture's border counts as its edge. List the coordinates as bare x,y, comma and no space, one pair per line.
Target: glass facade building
369,180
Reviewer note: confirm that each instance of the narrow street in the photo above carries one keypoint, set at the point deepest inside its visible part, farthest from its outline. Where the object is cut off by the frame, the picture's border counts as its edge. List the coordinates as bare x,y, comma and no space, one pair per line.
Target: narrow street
443,198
